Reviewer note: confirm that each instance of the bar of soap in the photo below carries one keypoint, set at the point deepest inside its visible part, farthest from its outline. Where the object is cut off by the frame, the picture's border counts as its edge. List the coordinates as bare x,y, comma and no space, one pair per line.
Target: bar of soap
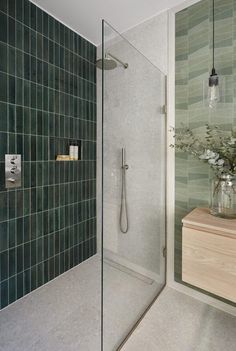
63,158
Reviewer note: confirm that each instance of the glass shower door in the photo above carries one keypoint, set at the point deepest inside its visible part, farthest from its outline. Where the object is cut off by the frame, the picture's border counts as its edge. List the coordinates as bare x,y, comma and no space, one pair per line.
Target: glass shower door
133,239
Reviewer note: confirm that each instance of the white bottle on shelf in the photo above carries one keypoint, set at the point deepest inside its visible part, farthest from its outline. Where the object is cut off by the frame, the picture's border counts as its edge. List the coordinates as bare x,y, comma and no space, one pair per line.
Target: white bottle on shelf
76,152
72,151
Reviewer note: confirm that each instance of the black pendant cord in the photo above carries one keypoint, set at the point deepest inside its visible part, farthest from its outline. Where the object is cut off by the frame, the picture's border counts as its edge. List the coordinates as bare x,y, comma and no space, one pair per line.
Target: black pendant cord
213,35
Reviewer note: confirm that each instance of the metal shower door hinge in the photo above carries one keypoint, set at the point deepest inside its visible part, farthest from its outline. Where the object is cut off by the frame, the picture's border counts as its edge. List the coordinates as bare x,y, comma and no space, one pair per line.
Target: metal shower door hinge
164,251
164,109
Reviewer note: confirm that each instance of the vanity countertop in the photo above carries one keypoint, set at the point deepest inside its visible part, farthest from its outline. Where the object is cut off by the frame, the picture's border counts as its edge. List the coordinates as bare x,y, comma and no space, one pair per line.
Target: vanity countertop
201,218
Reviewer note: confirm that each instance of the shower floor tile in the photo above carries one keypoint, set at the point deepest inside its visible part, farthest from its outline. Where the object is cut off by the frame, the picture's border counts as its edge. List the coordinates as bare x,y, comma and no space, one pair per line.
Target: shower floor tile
126,297
64,315
177,322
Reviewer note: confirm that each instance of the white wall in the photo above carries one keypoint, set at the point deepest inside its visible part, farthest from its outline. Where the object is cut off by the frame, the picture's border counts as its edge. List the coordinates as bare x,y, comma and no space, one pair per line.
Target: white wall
133,99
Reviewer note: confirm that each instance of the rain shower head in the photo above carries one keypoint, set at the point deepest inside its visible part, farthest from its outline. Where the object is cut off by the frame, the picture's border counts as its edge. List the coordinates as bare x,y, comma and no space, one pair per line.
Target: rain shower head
110,62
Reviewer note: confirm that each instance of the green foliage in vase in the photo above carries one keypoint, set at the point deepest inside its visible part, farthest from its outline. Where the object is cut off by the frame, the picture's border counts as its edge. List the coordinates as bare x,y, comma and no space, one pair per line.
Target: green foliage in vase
215,147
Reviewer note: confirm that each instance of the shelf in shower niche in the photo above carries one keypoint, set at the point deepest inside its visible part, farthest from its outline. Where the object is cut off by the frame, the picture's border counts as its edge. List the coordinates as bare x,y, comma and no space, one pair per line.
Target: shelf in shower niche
60,149
65,158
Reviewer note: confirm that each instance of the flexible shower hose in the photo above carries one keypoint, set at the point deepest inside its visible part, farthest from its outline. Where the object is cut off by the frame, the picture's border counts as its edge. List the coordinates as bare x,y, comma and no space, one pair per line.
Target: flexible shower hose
123,206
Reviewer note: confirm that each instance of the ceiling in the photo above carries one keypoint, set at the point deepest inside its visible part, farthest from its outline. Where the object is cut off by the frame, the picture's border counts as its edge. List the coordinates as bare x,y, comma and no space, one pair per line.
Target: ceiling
84,16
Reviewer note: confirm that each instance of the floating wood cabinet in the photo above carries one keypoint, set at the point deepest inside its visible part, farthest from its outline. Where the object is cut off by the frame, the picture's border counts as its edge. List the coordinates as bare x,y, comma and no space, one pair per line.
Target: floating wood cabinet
209,253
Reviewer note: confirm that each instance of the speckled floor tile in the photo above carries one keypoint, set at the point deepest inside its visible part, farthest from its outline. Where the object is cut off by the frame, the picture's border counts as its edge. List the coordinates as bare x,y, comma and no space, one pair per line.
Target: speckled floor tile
177,322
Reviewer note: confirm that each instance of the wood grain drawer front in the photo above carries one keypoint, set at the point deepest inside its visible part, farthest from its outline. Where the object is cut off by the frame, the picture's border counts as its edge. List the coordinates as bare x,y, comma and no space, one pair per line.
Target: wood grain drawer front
209,262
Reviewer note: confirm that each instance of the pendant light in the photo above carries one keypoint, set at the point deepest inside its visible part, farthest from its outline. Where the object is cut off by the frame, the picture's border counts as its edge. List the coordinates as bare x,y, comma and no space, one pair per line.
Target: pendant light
213,82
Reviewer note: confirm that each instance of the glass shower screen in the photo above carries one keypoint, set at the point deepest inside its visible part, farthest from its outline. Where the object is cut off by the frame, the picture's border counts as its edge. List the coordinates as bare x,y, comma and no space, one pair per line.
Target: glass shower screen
133,155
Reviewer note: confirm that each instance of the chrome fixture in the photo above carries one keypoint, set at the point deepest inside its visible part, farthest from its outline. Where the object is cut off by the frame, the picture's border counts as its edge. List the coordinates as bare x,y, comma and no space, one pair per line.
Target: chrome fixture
12,171
124,221
213,82
110,62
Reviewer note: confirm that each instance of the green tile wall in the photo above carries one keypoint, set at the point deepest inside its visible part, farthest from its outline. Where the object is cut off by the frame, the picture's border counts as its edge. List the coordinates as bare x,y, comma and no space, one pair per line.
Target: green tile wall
47,100
193,64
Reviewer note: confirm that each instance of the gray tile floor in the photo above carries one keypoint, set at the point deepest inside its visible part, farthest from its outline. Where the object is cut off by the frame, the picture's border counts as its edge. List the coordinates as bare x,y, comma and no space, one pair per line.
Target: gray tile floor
125,298
177,322
64,315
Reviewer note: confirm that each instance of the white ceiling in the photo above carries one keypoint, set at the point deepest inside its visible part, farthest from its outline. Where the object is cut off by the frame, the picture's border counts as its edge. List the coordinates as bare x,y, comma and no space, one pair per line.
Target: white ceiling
84,16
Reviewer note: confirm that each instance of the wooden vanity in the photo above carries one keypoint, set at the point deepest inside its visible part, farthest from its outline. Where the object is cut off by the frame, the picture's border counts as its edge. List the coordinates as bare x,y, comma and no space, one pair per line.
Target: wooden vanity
209,253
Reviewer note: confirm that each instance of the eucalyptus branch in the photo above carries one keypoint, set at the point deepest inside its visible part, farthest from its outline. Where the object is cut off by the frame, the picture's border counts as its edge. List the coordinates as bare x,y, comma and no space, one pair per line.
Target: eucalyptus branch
215,147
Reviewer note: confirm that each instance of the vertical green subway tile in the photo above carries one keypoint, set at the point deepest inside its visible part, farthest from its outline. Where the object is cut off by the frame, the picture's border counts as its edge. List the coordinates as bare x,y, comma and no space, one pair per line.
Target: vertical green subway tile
11,32
33,201
11,204
19,231
27,229
45,223
11,90
12,290
39,82
3,117
27,258
33,253
40,253
40,275
12,233
19,63
39,20
45,24
4,294
33,19
3,6
19,92
20,259
20,285
3,87
3,206
33,284
12,262
11,61
39,49
19,203
33,226
12,8
3,146
2,176
4,236
19,10
19,35
3,27
27,281
3,55
26,40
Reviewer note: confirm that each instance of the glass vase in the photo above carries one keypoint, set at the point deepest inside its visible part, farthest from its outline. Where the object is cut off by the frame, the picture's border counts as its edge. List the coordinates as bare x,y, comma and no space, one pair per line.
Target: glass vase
223,202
